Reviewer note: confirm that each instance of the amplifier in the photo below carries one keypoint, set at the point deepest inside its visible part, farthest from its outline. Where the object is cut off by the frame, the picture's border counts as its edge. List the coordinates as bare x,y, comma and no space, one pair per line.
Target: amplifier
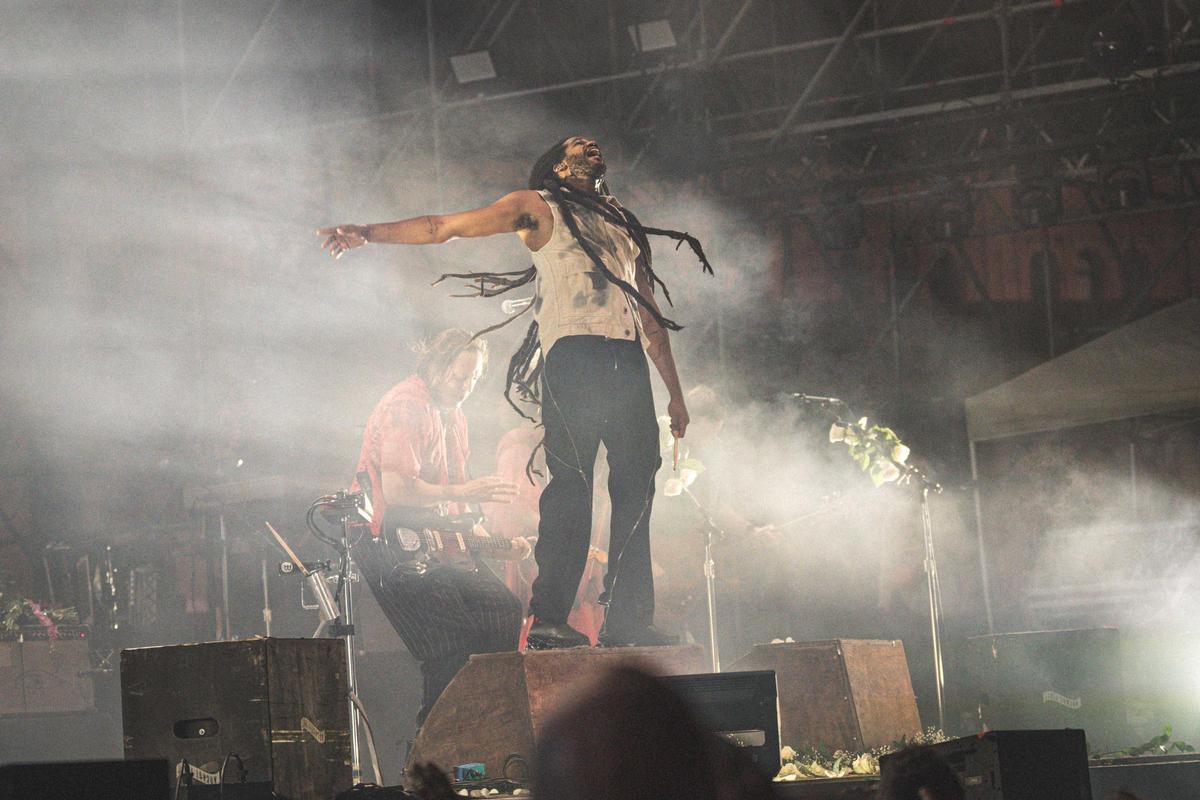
273,708
42,676
1017,765
1173,777
742,707
1052,679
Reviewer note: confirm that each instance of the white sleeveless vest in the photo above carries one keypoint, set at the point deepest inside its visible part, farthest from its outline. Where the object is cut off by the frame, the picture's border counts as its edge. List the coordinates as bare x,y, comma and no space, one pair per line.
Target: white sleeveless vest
573,296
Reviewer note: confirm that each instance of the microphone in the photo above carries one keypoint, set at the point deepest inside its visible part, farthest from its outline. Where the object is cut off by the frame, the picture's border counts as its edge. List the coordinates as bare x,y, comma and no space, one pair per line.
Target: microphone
515,305
812,398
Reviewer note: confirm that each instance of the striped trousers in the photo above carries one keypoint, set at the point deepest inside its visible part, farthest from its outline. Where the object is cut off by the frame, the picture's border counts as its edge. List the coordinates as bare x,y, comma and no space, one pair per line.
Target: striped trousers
443,616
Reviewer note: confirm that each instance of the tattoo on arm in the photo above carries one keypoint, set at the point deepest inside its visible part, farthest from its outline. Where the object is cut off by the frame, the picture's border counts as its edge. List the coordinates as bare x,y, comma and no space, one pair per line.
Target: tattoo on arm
432,224
525,222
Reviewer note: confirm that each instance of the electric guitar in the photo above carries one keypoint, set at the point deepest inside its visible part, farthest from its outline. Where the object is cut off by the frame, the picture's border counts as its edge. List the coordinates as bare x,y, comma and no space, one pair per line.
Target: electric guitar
423,533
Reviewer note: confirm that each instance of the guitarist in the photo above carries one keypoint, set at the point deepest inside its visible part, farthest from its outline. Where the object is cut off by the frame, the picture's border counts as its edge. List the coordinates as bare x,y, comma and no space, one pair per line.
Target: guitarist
414,457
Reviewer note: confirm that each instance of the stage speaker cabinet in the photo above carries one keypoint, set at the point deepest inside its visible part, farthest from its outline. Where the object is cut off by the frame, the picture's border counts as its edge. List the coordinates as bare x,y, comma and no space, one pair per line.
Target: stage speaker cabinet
740,707
85,780
1051,679
39,676
498,704
840,694
1016,765
280,705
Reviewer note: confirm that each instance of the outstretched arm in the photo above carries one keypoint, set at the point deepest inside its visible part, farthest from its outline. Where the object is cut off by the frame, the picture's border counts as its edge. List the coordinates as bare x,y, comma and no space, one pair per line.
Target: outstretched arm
658,346
524,213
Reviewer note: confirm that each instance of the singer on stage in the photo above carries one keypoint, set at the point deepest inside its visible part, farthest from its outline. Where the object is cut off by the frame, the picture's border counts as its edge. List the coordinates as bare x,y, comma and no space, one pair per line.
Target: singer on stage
584,361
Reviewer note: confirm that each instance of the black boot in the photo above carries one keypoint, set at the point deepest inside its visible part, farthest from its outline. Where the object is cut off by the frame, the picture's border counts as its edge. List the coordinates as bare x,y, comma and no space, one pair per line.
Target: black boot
555,636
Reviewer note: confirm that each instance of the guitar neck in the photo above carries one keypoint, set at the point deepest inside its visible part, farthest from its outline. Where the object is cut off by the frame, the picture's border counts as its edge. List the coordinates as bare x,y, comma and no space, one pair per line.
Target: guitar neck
434,541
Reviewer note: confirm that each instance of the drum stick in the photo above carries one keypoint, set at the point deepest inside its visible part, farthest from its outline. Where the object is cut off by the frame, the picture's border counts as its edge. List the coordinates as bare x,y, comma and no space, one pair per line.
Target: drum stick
295,558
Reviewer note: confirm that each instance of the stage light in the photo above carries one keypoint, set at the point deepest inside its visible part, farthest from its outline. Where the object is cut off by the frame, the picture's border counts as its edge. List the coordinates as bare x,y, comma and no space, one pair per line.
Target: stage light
1125,186
951,213
470,67
1115,47
1037,203
650,36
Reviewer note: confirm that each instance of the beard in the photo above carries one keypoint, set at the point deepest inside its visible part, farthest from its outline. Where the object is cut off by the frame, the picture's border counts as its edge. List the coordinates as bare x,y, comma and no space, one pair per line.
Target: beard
580,167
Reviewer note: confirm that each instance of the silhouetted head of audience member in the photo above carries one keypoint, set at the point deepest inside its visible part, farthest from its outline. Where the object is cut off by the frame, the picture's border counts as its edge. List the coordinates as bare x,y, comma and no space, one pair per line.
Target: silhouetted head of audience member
918,773
1122,794
631,737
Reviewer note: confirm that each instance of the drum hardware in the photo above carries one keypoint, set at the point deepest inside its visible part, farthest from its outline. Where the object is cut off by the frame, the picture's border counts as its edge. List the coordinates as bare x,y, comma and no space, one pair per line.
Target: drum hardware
349,510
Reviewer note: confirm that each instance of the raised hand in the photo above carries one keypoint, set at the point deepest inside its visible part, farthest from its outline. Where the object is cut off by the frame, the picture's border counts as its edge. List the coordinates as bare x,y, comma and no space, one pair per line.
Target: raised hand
490,489
341,238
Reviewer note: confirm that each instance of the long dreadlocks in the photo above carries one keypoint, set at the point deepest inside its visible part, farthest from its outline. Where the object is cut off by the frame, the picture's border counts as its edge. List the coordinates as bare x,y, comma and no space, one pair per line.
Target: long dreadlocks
525,366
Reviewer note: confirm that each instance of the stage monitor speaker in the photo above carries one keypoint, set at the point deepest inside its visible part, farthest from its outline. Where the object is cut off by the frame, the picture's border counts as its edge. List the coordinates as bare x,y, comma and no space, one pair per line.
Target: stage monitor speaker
840,694
278,705
86,780
852,788
499,703
1051,679
741,707
1016,765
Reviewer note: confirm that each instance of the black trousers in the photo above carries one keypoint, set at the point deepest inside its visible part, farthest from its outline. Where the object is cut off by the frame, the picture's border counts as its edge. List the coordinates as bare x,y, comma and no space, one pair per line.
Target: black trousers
443,616
597,390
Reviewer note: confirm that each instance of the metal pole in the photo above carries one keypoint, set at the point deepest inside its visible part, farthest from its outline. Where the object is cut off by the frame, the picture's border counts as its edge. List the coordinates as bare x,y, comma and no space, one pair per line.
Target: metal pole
935,607
1003,17
431,42
266,599
710,580
960,104
983,563
346,633
895,311
1133,474
1048,289
710,590
227,635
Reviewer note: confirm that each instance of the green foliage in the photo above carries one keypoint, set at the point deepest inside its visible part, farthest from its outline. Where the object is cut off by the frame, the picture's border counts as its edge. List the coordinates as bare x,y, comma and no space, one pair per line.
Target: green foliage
16,612
877,450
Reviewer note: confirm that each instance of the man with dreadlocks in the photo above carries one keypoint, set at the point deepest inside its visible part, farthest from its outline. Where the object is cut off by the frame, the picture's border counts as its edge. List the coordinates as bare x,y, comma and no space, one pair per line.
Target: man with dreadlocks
583,361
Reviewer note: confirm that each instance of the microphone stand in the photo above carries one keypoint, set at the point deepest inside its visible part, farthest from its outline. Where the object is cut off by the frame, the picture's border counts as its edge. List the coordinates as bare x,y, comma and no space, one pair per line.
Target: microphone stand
932,581
910,474
349,511
710,577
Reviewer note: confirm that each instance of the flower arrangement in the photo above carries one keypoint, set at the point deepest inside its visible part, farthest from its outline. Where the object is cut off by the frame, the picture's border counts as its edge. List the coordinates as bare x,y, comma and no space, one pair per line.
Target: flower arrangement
876,449
16,612
814,762
686,469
